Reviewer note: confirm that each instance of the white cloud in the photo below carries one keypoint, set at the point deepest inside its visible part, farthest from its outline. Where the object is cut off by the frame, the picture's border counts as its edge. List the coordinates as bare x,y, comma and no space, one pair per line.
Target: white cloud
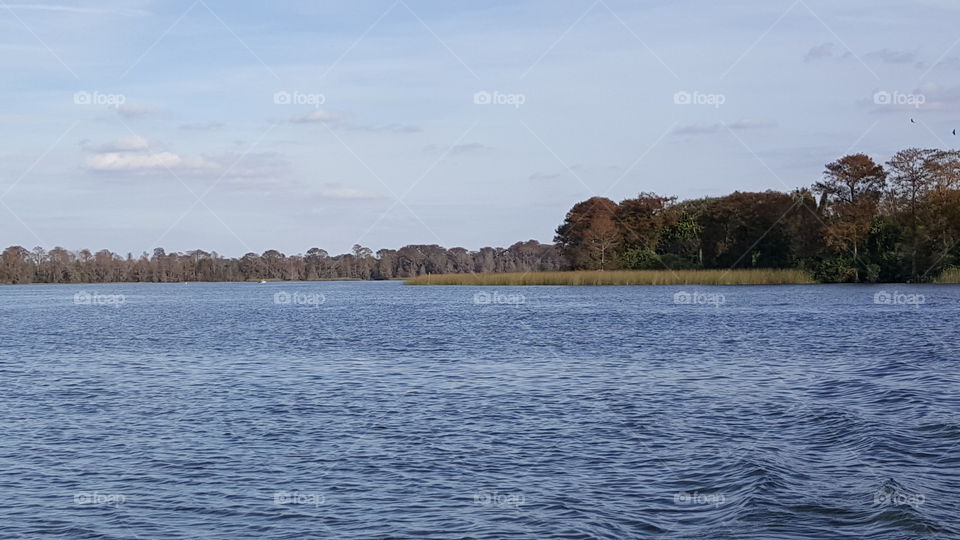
950,62
133,110
824,50
465,148
115,161
255,166
202,126
752,124
890,56
543,176
739,125
340,192
56,8
123,161
131,143
391,128
132,153
336,120
316,116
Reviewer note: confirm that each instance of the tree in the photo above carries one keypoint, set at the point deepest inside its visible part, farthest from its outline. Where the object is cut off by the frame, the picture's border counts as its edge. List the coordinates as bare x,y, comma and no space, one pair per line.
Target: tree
911,174
680,244
851,190
361,252
588,233
941,216
945,169
852,178
317,261
893,223
747,230
641,223
16,265
251,266
600,239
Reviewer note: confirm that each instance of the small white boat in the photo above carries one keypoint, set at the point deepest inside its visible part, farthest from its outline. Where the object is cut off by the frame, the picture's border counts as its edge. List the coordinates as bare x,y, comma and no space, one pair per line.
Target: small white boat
262,281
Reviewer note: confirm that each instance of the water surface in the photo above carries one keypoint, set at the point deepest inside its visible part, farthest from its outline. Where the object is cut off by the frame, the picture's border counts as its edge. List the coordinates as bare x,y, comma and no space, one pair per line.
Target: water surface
374,410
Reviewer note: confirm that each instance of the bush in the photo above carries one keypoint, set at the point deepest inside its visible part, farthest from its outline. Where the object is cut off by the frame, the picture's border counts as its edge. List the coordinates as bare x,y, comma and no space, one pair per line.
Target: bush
640,259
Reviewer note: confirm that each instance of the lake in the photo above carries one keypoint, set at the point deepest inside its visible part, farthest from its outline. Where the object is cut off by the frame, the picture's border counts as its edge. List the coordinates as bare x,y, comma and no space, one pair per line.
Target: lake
375,410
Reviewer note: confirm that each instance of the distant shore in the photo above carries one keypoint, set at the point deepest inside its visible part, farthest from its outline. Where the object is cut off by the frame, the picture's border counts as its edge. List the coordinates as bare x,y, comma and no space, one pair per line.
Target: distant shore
623,277
775,276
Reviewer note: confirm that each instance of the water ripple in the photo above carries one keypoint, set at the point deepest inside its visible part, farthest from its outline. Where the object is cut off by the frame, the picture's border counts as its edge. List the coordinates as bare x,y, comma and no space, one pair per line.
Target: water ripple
209,411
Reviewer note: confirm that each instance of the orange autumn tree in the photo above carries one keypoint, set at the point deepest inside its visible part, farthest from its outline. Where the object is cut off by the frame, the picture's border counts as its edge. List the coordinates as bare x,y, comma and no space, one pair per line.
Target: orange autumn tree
588,236
851,190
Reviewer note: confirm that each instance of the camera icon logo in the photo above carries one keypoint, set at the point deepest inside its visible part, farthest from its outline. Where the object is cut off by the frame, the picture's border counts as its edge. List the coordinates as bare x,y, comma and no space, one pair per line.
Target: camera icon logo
482,98
282,98
882,98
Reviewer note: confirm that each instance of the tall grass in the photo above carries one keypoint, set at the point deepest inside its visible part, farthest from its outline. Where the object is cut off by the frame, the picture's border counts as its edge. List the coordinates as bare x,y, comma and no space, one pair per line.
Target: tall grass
622,277
950,275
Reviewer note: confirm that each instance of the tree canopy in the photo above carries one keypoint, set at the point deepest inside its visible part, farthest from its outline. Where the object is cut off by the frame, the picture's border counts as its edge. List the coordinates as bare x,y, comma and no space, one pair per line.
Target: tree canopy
892,221
871,223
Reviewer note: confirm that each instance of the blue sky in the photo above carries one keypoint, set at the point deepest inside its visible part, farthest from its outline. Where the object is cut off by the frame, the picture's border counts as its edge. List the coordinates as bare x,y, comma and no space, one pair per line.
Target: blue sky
246,126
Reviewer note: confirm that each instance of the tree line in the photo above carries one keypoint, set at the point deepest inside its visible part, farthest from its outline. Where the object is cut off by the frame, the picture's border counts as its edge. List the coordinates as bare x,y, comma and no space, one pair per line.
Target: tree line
863,221
59,265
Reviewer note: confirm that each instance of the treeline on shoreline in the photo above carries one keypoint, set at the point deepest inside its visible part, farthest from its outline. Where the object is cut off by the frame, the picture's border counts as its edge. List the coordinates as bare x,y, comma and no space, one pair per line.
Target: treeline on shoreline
19,265
862,222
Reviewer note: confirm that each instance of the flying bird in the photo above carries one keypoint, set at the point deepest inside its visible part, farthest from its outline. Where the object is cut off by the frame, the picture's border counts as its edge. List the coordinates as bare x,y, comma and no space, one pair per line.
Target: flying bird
954,132
912,121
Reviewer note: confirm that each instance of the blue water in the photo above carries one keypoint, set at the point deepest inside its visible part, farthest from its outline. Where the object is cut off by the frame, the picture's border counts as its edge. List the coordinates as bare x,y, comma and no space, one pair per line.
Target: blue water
375,410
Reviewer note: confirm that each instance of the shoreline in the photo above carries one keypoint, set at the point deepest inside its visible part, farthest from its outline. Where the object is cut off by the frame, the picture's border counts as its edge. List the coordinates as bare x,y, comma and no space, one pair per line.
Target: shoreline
579,278
623,277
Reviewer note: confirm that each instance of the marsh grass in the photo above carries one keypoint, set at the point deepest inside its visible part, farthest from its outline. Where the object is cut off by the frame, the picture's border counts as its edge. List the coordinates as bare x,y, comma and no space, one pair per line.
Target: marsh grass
950,275
622,277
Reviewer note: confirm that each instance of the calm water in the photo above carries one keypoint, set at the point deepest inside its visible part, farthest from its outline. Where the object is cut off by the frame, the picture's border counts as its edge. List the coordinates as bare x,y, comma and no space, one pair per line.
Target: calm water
374,410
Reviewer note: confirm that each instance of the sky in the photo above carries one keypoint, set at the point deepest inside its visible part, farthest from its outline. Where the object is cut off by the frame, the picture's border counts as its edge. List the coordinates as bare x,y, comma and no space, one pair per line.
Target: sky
245,126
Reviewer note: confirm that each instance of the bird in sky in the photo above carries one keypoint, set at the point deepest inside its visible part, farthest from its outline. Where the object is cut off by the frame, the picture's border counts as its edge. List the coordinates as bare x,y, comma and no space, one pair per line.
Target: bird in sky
912,121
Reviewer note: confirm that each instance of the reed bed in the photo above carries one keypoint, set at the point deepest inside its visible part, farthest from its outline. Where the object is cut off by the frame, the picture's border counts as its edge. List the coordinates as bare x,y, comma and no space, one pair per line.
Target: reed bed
950,275
622,277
